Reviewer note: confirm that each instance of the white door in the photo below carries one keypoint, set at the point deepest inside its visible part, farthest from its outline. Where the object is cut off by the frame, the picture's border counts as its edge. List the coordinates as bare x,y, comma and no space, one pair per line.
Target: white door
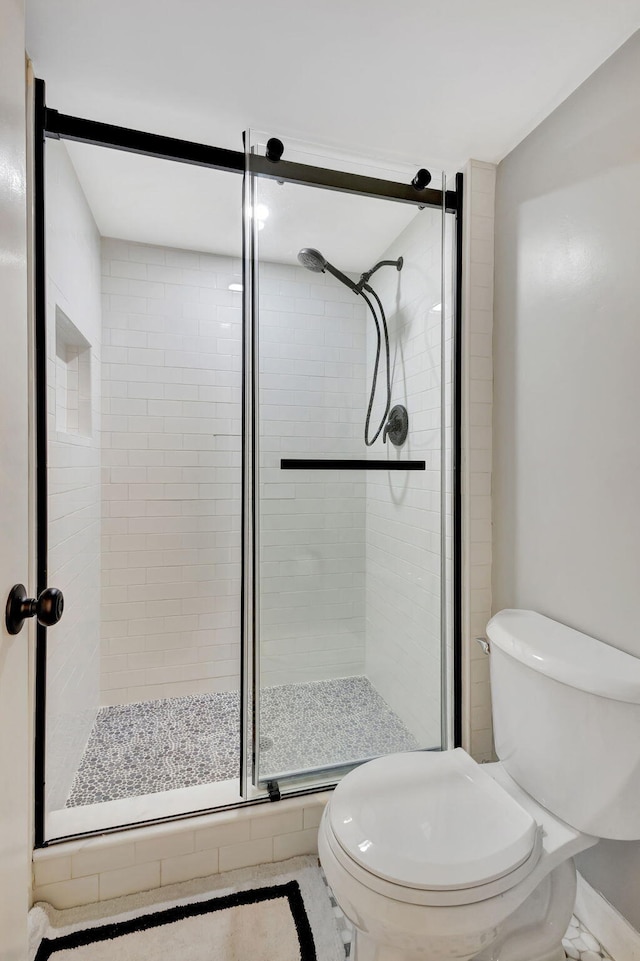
15,746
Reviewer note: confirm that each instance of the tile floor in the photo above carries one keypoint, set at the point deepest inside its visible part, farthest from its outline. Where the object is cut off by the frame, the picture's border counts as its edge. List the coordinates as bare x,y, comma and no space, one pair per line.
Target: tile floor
578,943
179,742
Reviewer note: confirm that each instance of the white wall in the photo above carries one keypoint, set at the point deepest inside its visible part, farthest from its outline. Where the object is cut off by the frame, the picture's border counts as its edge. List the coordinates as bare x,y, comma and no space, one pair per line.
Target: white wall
16,557
73,274
567,390
403,509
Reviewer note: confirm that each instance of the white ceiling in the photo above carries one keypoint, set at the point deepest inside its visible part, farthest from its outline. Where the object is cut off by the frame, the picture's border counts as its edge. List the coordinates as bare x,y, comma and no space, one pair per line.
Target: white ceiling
416,81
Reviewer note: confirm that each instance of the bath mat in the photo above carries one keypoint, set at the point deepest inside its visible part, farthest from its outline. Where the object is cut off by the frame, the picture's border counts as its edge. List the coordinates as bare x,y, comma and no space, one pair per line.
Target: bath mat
273,913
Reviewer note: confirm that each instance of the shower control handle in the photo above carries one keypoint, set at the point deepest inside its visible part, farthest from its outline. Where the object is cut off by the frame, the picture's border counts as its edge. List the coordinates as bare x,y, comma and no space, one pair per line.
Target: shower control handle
397,426
47,608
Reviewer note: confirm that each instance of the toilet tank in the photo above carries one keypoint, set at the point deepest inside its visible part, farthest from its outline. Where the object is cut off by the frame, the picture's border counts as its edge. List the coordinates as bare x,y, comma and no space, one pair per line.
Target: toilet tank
566,716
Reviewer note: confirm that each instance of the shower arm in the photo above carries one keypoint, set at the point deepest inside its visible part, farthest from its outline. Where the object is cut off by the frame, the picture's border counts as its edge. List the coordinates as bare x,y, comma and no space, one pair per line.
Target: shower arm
364,278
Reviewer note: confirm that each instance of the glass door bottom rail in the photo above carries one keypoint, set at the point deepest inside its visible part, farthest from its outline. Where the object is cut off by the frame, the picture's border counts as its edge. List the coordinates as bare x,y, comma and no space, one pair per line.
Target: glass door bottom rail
153,746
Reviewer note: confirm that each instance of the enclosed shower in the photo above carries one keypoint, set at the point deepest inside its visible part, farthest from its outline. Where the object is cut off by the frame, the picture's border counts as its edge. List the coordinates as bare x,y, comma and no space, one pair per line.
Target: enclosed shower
249,475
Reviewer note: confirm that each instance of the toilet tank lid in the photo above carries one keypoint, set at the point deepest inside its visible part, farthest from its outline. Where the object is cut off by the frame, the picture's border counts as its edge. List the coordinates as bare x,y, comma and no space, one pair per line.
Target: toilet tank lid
566,655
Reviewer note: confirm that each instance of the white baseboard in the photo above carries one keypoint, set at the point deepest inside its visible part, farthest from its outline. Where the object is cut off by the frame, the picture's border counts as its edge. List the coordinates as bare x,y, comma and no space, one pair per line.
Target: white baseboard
614,932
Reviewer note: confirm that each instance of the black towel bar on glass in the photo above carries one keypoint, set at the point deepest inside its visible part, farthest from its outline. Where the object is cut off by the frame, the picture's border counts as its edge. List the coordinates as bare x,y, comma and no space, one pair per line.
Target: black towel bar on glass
354,464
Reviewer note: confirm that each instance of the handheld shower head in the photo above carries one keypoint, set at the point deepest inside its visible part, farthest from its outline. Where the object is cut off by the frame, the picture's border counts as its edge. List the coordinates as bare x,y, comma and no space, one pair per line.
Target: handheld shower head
313,260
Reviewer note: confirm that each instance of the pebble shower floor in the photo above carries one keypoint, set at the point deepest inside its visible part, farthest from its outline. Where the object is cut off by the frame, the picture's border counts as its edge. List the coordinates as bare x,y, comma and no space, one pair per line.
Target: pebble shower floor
154,746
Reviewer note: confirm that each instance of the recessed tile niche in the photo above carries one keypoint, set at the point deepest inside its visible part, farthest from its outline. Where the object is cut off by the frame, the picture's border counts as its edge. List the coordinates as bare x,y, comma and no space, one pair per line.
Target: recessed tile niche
73,378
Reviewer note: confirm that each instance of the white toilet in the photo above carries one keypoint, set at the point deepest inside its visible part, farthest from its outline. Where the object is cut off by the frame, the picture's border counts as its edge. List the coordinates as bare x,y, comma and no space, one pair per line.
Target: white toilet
432,856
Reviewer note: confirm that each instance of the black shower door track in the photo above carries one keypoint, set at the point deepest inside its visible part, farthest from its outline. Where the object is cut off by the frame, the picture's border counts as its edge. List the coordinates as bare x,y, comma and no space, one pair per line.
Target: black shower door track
60,126
52,124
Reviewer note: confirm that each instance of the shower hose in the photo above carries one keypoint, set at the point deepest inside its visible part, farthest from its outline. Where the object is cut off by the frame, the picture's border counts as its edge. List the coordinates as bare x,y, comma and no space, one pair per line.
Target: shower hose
376,365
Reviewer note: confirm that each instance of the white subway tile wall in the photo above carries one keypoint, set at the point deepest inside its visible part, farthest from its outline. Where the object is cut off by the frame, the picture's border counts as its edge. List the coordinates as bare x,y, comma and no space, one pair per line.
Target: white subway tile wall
95,869
477,430
170,472
312,524
403,522
73,399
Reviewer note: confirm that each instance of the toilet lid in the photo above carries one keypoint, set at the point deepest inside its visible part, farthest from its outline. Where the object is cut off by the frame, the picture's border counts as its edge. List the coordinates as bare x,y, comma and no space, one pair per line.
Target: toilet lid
430,820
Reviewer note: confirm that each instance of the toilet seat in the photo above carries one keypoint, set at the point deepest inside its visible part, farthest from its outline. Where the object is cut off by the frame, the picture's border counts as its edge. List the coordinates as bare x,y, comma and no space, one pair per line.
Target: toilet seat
431,828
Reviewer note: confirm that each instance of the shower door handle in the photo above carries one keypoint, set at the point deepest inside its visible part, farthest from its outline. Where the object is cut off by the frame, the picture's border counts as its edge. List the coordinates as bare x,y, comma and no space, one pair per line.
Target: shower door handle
47,608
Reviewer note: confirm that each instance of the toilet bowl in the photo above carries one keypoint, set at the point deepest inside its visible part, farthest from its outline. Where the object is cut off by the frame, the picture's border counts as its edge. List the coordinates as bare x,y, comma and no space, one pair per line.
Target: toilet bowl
432,856
449,872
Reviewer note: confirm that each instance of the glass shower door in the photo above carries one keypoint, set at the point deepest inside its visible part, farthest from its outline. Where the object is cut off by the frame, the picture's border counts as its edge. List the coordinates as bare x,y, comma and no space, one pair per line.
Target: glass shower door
346,512
141,330
161,441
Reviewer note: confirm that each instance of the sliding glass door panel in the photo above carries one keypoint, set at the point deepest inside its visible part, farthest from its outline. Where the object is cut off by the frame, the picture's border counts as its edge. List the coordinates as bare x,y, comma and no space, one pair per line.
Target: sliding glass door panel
346,311
143,342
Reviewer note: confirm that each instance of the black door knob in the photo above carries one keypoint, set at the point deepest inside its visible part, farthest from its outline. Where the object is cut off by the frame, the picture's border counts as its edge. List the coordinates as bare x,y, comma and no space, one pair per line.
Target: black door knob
47,608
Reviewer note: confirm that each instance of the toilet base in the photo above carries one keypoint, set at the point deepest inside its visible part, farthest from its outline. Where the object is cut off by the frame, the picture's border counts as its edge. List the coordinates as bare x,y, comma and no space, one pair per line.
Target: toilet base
366,949
557,955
